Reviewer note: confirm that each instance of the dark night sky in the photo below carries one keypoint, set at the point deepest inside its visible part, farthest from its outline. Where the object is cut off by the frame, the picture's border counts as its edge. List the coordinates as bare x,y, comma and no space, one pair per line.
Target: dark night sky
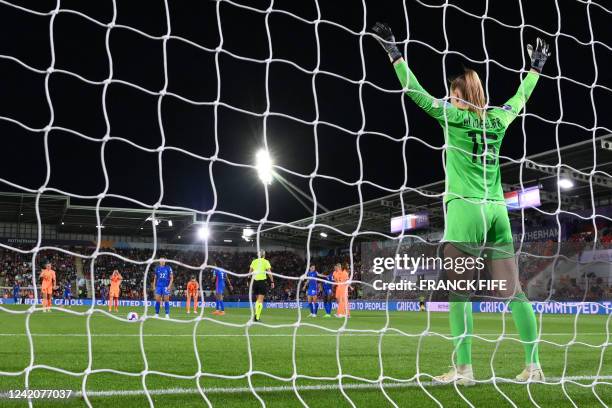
76,165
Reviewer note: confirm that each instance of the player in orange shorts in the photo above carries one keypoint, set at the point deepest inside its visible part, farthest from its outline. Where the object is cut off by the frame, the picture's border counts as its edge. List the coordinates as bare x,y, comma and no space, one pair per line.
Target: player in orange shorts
113,294
192,292
49,283
341,276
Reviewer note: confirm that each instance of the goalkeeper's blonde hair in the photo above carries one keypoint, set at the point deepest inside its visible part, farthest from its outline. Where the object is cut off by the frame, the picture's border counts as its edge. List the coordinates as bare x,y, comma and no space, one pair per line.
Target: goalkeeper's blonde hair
472,92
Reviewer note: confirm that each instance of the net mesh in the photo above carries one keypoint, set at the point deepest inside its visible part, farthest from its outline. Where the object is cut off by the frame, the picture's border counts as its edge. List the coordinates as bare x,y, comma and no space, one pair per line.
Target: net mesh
383,382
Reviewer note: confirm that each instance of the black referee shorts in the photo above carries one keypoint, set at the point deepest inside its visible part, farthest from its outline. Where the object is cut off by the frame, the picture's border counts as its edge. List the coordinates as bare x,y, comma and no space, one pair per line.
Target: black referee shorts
260,287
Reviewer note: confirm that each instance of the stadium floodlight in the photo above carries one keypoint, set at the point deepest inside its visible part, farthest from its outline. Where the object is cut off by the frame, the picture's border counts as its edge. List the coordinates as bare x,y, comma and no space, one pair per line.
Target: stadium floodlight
204,233
263,163
566,183
323,234
247,232
170,223
227,240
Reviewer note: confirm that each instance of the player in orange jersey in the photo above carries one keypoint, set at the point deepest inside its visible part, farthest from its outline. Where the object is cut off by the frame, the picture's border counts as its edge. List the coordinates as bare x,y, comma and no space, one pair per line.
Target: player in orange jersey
49,283
341,276
192,293
113,294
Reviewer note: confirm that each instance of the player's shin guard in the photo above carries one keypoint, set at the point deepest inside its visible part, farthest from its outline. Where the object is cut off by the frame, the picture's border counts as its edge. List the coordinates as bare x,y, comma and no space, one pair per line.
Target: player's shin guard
328,307
258,309
310,307
221,306
526,324
167,307
462,328
157,305
315,307
217,304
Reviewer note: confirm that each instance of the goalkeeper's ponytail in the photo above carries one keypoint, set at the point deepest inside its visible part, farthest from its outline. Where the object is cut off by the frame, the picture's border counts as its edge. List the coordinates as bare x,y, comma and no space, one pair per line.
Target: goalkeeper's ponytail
472,92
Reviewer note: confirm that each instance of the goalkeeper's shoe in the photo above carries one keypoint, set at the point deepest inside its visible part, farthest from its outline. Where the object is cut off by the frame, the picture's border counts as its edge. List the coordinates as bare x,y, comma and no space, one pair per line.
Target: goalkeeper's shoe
531,374
465,377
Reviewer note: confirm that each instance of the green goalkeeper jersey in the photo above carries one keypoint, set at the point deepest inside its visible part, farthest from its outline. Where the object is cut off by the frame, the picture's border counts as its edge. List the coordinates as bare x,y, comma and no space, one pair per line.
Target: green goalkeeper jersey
472,147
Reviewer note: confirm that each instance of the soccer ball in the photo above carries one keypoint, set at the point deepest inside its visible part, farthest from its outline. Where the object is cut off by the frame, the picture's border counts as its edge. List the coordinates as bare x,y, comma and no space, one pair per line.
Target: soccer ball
132,317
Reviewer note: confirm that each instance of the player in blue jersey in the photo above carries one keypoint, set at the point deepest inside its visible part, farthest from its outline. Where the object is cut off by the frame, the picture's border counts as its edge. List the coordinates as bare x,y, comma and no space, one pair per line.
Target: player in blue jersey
16,291
220,277
162,282
313,290
328,293
67,293
103,292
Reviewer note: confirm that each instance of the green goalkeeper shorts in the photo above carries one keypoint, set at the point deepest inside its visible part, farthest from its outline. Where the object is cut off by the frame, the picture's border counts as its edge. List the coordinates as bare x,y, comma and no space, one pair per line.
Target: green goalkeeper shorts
472,226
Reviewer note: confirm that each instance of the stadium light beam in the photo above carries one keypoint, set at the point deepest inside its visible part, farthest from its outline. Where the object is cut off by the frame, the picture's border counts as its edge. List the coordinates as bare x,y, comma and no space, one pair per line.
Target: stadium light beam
263,164
323,234
566,183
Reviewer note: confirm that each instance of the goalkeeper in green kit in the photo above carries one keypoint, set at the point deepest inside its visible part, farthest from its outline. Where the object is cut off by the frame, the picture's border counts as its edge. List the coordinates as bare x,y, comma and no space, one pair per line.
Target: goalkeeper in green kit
476,214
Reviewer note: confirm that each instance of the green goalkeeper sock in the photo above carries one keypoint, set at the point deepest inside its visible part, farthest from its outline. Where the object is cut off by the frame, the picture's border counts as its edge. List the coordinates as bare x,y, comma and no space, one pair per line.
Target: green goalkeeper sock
525,321
258,309
462,323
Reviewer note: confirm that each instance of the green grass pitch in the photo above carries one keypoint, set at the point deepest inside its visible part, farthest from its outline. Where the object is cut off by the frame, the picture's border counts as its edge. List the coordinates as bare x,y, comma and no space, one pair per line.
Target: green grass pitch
60,340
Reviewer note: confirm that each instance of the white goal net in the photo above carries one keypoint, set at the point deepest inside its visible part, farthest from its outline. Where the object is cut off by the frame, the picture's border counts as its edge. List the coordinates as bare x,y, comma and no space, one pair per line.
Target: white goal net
341,53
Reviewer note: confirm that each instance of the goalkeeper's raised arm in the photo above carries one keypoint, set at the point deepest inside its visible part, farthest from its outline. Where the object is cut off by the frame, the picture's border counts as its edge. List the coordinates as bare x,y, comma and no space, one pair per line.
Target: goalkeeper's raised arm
409,82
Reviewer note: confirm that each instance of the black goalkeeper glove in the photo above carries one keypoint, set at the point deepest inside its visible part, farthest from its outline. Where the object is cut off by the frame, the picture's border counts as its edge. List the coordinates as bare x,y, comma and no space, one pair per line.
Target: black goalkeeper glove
384,32
539,54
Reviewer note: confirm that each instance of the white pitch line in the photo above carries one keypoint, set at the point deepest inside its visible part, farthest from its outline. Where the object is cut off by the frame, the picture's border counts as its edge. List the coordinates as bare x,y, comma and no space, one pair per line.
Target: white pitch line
334,386
285,388
347,334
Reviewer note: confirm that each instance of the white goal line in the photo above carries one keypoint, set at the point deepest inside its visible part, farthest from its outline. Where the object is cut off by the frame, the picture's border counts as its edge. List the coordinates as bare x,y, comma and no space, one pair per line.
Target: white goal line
327,387
346,334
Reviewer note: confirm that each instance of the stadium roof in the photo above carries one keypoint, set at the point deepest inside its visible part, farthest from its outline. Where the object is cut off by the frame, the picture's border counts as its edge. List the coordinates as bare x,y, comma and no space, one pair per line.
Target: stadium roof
70,215
539,169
